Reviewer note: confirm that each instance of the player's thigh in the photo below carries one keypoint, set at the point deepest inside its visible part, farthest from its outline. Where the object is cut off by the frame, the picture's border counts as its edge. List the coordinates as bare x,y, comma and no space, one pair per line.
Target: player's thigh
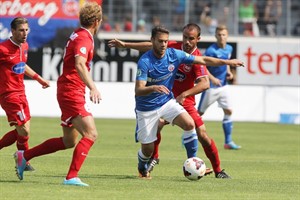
70,135
17,110
194,114
146,126
85,125
224,100
209,97
171,110
184,121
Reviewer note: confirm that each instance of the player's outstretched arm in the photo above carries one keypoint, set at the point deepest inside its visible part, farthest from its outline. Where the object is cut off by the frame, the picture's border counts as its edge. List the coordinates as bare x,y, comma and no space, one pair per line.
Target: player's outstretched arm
215,62
140,46
32,74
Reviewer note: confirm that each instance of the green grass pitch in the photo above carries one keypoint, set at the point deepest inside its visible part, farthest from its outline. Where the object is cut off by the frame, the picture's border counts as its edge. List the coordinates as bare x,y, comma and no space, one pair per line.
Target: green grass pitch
267,166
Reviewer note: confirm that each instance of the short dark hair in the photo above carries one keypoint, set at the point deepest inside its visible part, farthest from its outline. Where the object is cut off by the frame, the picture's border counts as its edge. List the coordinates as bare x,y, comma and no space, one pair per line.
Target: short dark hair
193,26
159,29
17,21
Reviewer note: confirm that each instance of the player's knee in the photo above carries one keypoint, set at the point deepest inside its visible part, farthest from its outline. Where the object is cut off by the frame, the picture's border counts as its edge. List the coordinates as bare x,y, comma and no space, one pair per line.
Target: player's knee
190,125
69,143
23,130
92,135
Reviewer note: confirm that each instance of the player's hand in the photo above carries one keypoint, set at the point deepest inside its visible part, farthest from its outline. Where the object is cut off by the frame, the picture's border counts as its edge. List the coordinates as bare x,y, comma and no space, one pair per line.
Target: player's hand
229,76
95,96
181,98
236,63
216,81
45,83
161,89
116,43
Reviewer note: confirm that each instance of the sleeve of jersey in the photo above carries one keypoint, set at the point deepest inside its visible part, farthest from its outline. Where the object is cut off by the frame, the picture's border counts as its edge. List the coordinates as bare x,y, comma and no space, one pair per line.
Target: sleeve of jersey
208,52
141,74
82,47
185,57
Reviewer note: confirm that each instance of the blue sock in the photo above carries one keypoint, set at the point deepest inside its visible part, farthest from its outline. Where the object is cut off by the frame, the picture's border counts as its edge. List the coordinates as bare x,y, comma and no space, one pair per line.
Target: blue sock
190,141
142,161
227,128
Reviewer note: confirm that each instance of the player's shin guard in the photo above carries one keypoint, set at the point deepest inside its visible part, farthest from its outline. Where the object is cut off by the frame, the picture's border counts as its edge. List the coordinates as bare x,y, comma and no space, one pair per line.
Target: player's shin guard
22,142
212,154
190,141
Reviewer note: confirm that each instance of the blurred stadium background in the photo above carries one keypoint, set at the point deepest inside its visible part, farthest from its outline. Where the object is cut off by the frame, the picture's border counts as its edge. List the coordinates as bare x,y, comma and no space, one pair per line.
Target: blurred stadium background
266,90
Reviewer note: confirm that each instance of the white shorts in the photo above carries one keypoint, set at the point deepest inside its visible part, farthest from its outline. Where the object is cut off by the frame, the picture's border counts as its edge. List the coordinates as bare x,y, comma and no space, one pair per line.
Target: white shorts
210,96
147,121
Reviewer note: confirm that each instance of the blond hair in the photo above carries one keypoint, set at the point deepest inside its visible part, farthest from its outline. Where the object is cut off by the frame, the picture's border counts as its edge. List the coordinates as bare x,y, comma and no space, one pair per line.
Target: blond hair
89,13
221,28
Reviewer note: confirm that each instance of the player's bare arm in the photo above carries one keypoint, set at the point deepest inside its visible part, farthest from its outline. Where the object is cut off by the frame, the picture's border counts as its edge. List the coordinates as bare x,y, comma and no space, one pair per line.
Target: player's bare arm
215,62
142,90
229,73
84,74
140,46
201,85
213,79
32,74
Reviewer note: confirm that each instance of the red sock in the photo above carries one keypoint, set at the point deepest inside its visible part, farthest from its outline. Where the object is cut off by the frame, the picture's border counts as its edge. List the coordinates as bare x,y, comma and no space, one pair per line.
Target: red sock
49,146
22,142
156,145
80,153
8,139
213,155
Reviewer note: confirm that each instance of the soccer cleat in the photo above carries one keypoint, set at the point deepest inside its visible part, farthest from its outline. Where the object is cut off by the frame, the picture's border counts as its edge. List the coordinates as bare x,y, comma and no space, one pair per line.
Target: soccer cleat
144,174
29,167
208,171
152,163
222,175
20,164
75,181
232,145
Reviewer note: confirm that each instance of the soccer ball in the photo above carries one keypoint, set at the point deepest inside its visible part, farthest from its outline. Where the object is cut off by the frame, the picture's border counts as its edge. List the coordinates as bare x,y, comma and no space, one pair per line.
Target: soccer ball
194,168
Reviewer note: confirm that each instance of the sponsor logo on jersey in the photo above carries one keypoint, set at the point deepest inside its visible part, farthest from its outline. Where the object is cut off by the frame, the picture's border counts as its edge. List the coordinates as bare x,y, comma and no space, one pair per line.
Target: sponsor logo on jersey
180,76
19,68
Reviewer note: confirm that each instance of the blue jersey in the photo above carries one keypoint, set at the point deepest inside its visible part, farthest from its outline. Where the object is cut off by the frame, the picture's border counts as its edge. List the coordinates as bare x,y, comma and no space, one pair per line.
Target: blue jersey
159,71
222,53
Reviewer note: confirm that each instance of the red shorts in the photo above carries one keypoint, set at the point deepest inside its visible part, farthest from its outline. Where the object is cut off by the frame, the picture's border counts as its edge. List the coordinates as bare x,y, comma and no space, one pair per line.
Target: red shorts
72,104
190,108
16,109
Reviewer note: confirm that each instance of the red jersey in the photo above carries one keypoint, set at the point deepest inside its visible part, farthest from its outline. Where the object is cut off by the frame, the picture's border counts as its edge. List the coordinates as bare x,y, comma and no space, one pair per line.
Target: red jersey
13,58
187,74
80,43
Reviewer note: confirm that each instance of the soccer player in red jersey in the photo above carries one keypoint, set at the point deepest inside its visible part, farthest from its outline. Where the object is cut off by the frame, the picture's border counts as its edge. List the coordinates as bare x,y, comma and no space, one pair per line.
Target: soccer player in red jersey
184,90
13,58
76,118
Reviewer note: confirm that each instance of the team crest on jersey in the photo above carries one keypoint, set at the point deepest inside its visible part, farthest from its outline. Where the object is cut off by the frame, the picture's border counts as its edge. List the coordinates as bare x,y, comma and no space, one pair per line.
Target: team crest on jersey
83,50
187,68
171,67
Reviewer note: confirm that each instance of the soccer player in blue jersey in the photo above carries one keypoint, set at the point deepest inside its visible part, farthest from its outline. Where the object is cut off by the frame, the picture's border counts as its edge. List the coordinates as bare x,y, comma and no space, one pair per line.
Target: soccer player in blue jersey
154,98
218,84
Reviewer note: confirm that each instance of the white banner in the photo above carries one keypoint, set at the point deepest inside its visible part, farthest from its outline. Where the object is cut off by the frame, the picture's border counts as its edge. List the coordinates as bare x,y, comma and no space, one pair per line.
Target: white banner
269,61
